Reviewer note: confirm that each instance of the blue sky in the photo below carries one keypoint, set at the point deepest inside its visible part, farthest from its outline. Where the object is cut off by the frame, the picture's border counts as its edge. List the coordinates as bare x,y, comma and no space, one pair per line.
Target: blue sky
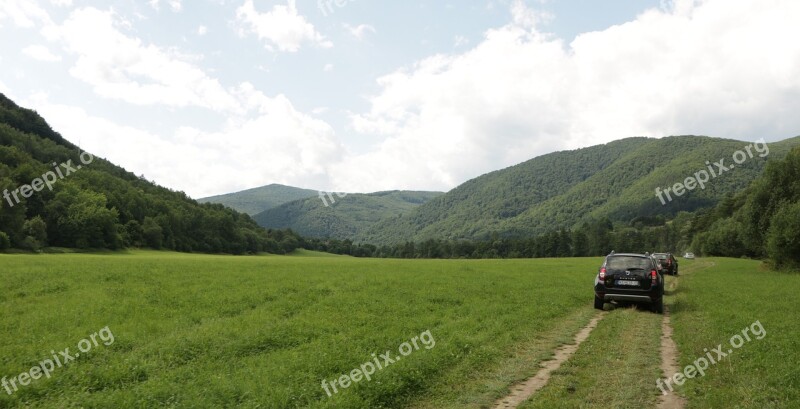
210,97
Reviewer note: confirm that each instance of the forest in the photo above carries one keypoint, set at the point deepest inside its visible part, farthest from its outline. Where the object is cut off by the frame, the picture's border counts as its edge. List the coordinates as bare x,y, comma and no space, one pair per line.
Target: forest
762,221
102,206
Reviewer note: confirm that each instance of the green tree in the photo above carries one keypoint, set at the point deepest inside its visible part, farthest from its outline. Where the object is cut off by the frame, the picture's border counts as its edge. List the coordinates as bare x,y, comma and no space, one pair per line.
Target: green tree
723,239
83,220
5,242
152,233
36,229
783,238
580,244
132,234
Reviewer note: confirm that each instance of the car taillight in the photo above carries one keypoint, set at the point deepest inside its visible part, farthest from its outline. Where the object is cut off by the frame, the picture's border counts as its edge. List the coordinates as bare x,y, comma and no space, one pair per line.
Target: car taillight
603,274
653,277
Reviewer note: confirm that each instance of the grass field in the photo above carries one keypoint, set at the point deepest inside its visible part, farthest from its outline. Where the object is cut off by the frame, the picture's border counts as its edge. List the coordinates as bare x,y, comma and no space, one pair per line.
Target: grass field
211,331
715,304
215,331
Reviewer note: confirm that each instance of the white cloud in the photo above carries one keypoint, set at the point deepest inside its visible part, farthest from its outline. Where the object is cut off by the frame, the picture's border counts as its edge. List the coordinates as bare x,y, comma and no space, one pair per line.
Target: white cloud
202,30
174,5
715,67
61,3
41,53
459,40
327,68
359,31
279,145
281,27
121,67
24,13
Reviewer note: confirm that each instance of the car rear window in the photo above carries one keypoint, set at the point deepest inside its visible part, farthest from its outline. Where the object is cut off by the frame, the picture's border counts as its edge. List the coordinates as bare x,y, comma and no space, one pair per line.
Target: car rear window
627,262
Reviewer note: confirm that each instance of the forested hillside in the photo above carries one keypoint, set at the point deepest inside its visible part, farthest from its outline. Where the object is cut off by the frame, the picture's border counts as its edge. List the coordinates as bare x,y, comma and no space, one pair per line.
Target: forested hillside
256,200
616,181
95,204
761,221
342,217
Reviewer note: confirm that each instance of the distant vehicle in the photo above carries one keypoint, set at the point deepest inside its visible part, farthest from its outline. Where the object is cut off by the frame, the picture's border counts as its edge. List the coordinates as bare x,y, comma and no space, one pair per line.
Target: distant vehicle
667,262
628,277
688,256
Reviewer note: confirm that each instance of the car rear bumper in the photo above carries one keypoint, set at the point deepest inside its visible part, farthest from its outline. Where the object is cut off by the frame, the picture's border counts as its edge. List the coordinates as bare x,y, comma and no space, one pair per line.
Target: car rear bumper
617,294
628,297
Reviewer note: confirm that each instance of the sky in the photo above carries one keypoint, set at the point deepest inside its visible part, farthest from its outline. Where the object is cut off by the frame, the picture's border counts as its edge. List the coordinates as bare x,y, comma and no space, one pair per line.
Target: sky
216,96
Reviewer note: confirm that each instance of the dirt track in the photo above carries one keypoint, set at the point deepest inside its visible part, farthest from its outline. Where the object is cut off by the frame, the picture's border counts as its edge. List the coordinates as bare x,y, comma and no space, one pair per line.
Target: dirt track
521,392
669,364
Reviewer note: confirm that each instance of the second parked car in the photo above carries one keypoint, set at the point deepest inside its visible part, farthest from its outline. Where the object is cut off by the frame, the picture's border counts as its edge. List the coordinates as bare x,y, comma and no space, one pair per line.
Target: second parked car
667,262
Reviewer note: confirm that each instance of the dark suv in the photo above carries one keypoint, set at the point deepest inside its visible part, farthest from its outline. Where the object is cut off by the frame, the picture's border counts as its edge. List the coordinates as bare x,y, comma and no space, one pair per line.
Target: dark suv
627,277
668,263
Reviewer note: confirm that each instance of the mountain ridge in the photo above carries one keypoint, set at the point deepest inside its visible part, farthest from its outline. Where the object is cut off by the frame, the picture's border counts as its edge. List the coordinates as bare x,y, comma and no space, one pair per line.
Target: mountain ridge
620,186
258,199
616,180
341,216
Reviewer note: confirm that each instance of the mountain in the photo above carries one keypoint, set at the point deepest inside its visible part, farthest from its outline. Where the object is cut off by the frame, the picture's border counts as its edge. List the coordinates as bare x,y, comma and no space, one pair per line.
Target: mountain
55,195
562,189
342,217
256,200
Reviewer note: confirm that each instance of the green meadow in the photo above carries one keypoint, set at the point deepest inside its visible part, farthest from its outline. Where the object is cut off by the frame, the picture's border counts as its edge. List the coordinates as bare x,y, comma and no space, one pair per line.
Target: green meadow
217,331
197,331
717,303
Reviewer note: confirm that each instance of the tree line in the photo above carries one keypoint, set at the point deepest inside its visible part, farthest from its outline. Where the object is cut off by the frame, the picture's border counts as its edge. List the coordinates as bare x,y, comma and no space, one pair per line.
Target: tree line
762,221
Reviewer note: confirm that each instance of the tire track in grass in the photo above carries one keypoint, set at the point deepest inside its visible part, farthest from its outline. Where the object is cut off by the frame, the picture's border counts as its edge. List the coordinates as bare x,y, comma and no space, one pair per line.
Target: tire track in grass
614,368
521,392
669,362
464,387
669,350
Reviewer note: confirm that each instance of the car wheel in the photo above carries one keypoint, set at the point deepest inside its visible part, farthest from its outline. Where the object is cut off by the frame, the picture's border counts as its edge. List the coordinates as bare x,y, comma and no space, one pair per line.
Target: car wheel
598,303
658,306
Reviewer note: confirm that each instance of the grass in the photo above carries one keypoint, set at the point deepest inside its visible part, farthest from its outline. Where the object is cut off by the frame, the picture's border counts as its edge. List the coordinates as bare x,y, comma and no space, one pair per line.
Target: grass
195,331
311,253
462,389
217,331
717,302
611,368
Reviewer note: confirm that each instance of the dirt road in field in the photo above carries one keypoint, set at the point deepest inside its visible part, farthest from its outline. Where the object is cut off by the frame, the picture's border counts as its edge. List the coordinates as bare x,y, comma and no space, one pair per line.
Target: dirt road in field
669,359
669,365
669,351
521,392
